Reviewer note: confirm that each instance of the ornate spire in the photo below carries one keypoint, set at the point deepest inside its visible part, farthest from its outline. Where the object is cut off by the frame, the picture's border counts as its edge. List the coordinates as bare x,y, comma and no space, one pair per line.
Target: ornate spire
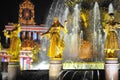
26,13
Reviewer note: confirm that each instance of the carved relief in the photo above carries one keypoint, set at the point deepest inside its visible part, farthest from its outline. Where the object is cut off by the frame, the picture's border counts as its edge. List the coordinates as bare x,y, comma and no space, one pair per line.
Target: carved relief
26,13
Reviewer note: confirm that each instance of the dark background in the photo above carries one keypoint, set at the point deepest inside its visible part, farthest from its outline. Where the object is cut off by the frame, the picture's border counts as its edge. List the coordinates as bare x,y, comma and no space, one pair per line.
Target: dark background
9,12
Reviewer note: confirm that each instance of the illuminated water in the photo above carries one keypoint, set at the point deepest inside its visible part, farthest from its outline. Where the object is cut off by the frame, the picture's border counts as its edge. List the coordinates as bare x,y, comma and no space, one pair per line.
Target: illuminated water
98,44
75,36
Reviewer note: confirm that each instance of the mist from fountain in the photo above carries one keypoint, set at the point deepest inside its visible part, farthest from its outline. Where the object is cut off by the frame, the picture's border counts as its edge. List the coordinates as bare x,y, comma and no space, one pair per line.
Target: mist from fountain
75,44
97,34
71,39
72,43
57,10
75,34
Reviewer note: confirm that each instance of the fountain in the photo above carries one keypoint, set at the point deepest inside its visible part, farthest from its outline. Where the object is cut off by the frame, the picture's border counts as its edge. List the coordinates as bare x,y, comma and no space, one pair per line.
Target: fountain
97,34
57,9
71,39
77,35
84,42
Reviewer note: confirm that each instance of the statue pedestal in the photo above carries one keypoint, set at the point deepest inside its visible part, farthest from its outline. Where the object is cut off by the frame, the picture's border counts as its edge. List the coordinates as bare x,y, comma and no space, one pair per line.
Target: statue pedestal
111,69
54,69
13,70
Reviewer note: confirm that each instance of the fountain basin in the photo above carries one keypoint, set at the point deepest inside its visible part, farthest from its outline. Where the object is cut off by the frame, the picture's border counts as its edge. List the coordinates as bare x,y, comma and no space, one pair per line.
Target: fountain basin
75,65
83,65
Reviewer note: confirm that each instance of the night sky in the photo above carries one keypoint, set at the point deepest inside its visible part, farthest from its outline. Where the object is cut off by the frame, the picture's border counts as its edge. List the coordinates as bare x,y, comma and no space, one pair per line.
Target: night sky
9,12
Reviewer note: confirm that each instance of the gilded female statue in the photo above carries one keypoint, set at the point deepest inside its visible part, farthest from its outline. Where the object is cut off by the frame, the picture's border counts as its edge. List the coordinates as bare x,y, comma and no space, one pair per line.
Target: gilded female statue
56,42
111,42
15,42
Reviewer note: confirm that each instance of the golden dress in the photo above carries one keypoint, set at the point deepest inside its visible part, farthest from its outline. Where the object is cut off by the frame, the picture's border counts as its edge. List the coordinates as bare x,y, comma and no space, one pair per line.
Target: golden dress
15,43
111,41
56,46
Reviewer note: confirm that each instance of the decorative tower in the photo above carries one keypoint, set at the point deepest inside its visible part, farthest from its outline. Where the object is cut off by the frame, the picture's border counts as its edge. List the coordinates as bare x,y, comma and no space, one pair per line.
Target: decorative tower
26,13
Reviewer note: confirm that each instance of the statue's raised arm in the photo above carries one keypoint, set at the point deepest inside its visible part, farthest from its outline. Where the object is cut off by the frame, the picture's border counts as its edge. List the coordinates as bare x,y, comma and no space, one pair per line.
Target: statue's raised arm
15,42
117,25
6,34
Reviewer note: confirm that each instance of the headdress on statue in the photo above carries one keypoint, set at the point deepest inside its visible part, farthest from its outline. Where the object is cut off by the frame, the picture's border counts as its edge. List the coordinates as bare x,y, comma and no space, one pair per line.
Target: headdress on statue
55,18
110,10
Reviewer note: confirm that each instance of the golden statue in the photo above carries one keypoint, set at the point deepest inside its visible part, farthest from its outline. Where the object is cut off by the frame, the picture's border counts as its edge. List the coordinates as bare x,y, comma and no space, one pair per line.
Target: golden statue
15,42
111,42
56,43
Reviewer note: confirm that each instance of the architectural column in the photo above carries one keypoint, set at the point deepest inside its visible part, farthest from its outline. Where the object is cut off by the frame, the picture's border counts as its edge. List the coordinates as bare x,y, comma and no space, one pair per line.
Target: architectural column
34,35
37,35
29,34
23,35
21,61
